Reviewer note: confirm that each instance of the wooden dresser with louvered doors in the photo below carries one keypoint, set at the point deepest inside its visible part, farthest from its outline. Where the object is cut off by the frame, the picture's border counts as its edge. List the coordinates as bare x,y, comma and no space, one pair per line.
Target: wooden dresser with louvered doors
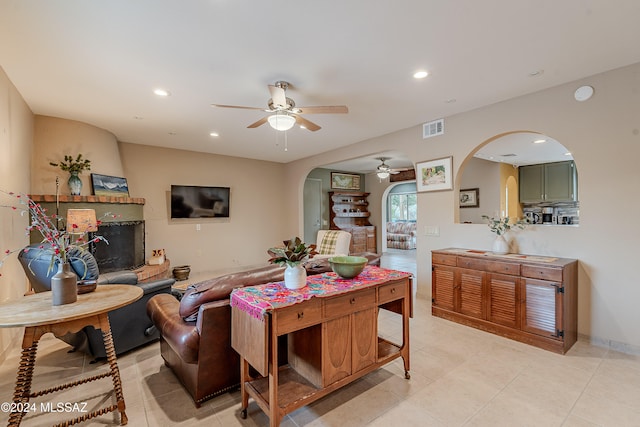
528,298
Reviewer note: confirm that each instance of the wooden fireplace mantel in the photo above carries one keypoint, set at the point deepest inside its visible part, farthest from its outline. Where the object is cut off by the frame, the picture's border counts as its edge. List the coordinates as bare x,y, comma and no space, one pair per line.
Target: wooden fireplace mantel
51,198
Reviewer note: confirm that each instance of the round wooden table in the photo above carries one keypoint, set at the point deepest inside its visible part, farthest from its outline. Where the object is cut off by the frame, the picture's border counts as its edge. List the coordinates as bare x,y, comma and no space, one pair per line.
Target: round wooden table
38,315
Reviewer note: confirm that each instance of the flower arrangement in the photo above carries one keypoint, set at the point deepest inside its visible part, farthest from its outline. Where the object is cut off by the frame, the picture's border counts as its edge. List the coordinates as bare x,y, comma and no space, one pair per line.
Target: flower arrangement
73,166
503,224
293,253
61,244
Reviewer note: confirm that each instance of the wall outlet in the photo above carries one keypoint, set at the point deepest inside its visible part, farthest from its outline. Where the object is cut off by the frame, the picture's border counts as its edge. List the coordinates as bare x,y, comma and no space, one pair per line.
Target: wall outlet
197,227
431,230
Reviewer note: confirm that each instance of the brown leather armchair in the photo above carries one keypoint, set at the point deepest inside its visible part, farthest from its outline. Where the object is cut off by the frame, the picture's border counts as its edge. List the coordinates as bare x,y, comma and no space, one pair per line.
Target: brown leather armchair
195,332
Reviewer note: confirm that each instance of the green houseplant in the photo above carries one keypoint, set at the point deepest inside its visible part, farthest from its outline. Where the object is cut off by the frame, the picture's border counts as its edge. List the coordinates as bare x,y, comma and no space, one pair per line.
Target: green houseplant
74,167
292,254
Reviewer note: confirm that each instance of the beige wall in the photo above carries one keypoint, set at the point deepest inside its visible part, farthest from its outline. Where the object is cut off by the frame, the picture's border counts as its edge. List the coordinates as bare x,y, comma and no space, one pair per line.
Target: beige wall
16,136
485,176
54,138
258,192
604,136
256,215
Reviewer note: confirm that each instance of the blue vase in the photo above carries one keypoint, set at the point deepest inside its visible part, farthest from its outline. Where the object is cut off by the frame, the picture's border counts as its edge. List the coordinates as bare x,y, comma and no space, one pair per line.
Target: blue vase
75,184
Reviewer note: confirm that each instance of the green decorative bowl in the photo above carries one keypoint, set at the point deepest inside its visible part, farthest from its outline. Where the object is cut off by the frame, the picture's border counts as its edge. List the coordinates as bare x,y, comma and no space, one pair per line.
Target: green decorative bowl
347,267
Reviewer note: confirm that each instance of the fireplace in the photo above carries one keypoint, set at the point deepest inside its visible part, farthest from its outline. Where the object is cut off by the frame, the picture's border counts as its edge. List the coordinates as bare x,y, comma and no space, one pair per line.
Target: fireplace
125,250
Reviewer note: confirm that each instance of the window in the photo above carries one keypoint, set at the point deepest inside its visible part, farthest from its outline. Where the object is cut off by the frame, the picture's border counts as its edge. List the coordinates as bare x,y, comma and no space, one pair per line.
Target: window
403,207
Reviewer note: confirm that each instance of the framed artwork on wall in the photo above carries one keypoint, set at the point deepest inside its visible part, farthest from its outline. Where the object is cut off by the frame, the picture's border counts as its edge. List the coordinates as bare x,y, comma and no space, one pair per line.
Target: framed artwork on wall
345,181
435,175
470,198
105,185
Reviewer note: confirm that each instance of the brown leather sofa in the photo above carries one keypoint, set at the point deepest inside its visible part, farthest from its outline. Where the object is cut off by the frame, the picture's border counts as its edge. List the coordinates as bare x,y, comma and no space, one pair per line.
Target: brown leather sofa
195,332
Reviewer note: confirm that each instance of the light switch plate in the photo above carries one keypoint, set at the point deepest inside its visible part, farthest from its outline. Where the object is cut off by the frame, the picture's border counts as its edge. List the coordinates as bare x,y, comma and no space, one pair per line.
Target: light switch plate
431,230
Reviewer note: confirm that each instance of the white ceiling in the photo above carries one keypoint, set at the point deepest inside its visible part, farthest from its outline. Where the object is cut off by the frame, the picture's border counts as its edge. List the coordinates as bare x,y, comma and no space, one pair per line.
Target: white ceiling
522,149
98,62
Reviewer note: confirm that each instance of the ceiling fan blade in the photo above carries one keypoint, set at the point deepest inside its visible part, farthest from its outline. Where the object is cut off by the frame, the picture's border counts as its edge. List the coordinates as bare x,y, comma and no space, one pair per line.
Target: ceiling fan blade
258,123
307,124
278,96
329,109
237,106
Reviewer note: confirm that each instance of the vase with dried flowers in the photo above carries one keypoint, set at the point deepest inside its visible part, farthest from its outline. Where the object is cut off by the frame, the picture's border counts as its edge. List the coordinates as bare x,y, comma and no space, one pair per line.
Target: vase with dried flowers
74,167
60,244
500,226
294,252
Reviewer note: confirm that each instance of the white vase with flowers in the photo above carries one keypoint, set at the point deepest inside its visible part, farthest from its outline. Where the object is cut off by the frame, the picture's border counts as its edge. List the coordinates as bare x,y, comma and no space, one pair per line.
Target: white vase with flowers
294,252
501,226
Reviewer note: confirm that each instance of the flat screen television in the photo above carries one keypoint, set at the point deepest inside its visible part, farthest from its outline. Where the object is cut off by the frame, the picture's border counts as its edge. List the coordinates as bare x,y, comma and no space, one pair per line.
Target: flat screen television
190,201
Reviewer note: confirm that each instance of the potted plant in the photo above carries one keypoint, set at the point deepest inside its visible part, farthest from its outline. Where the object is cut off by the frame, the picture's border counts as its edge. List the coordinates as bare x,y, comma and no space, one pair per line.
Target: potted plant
294,252
62,245
500,226
74,167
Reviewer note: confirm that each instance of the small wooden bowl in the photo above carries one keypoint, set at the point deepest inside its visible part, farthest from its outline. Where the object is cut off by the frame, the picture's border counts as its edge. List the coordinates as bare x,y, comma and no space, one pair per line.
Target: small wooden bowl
86,286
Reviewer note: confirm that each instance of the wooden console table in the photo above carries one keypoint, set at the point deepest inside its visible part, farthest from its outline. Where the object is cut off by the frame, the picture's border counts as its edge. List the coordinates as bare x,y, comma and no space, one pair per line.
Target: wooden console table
332,336
528,298
37,314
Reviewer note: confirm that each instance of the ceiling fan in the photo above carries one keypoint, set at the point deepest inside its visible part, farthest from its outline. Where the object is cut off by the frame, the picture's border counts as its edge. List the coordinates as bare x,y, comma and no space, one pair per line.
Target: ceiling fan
285,113
383,170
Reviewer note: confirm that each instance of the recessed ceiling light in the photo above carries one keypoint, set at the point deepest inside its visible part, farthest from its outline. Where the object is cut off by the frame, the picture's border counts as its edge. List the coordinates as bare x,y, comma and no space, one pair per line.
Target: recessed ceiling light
161,92
583,93
420,74
536,73
568,153
450,100
539,141
214,134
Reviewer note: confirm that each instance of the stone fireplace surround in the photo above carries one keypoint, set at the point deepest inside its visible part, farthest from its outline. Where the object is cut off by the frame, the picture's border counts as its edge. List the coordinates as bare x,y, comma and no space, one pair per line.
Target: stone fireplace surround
125,211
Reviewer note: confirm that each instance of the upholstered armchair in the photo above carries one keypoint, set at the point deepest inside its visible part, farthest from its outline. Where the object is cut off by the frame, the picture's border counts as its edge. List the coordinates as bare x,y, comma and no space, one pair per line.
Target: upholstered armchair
130,325
401,235
332,243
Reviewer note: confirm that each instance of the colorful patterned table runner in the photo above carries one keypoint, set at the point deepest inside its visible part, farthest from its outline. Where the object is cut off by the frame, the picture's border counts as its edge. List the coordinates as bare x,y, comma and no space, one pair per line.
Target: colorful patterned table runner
257,300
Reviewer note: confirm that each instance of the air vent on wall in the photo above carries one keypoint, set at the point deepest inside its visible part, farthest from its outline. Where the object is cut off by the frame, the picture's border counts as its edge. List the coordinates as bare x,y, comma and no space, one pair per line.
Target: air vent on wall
433,128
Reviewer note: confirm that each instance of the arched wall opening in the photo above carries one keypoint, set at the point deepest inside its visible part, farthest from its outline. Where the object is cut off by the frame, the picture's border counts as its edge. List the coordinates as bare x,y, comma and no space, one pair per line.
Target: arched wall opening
516,174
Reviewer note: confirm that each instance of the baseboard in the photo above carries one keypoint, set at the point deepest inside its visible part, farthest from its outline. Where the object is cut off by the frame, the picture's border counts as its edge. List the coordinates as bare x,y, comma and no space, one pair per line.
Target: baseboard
611,344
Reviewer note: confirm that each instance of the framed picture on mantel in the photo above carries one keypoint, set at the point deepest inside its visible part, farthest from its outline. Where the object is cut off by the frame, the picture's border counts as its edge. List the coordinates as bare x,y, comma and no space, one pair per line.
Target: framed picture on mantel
105,185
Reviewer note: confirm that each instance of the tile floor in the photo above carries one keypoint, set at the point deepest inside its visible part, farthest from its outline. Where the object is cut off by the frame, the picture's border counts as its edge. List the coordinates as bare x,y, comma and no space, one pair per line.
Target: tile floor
459,377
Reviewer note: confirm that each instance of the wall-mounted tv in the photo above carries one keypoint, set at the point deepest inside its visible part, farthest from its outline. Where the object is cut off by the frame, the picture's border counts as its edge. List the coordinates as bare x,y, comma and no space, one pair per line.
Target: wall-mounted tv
190,201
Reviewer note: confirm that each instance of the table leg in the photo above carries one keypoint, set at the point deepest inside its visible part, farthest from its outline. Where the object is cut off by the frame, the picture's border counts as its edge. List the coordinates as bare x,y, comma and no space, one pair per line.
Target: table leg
274,410
407,309
115,372
244,377
23,381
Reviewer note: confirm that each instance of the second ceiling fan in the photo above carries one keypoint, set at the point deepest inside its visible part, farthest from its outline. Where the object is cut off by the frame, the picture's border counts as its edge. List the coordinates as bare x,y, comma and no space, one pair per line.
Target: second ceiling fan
285,113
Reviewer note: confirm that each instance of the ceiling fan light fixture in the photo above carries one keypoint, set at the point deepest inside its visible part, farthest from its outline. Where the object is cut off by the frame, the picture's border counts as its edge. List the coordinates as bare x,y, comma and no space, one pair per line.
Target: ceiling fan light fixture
281,122
382,174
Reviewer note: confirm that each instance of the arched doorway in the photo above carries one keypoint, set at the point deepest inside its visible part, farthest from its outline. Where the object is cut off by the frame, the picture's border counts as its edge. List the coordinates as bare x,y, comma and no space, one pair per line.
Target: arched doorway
516,174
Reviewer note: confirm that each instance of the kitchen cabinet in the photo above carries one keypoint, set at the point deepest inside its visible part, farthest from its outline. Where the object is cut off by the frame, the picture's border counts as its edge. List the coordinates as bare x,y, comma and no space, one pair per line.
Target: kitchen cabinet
548,182
528,298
